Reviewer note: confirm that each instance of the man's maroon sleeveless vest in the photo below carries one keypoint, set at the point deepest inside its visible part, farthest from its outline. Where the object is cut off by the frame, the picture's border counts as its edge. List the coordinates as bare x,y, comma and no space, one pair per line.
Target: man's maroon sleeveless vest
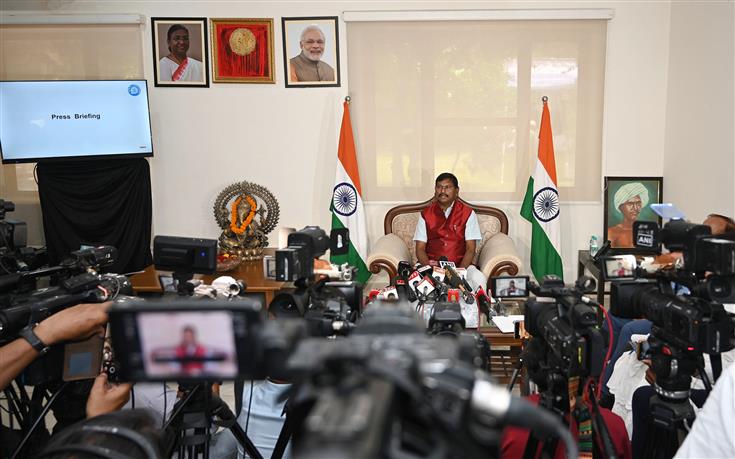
445,236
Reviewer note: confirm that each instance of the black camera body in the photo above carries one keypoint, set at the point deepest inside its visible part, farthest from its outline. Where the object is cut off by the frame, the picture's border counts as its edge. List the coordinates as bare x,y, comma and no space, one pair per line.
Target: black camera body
446,319
378,392
296,261
567,326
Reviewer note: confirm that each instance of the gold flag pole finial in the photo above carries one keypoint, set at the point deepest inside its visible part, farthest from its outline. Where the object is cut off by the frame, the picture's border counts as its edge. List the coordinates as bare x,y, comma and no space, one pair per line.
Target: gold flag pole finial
544,99
348,99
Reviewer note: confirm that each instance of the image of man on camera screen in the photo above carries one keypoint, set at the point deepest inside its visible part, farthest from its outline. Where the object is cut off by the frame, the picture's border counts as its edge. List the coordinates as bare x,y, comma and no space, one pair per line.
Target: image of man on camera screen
207,348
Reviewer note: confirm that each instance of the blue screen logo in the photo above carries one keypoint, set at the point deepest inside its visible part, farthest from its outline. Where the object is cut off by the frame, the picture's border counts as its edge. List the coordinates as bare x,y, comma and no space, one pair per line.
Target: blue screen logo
133,89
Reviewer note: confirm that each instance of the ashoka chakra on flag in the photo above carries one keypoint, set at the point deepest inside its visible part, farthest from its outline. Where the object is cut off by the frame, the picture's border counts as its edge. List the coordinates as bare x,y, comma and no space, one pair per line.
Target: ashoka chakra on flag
345,199
546,204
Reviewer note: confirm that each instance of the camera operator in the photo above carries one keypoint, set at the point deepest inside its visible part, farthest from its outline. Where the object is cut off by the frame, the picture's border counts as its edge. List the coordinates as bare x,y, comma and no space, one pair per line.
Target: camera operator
514,439
624,329
712,434
76,323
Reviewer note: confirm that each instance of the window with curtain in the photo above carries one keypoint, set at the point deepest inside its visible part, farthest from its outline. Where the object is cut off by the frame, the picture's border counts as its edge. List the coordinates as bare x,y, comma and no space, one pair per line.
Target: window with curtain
465,97
63,52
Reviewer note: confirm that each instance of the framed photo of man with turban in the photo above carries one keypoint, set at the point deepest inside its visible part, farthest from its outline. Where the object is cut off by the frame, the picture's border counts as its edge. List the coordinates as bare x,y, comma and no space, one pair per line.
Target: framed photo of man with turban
627,200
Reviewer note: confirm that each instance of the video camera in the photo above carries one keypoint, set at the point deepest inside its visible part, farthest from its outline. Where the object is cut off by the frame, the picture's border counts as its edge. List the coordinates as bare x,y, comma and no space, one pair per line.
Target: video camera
389,390
78,280
698,322
189,340
329,306
683,327
295,263
564,320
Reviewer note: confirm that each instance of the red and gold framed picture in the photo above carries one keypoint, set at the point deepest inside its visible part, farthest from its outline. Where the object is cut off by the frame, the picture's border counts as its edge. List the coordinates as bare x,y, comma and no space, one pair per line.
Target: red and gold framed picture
242,51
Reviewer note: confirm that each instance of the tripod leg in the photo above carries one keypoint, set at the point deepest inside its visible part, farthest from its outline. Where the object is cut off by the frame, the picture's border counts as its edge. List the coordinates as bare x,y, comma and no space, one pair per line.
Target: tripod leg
283,439
222,411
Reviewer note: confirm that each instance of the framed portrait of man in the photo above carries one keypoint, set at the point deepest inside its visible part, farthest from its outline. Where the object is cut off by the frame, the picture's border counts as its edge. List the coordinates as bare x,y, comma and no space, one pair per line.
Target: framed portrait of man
242,51
180,52
627,200
311,52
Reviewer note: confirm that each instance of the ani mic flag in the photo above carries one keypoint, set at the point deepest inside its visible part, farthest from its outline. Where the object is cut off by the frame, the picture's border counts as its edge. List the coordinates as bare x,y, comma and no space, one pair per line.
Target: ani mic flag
541,206
347,209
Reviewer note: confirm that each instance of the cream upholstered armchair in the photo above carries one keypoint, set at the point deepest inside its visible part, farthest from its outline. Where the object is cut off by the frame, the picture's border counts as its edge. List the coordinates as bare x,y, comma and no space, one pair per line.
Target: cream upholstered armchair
496,253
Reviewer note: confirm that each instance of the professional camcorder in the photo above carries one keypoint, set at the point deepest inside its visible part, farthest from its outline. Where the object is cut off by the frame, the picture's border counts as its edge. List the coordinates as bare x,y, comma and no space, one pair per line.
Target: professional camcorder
683,327
77,279
389,390
564,320
329,306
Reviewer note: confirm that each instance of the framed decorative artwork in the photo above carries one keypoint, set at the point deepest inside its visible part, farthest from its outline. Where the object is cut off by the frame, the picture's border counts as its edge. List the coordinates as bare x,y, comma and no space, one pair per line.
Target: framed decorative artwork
627,200
311,52
242,51
180,52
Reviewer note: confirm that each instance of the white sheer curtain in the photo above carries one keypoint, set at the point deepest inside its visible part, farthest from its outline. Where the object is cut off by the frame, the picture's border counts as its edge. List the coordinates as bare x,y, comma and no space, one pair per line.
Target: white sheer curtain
465,96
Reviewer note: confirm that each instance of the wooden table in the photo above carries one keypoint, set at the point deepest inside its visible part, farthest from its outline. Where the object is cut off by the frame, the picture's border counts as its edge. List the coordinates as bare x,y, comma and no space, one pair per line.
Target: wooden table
251,272
503,362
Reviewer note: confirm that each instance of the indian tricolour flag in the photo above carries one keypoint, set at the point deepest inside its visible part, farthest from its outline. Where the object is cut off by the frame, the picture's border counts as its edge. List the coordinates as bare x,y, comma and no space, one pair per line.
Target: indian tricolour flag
347,209
541,206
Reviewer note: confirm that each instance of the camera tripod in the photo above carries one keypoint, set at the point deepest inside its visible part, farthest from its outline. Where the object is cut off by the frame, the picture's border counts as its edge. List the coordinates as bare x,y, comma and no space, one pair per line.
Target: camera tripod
670,415
195,411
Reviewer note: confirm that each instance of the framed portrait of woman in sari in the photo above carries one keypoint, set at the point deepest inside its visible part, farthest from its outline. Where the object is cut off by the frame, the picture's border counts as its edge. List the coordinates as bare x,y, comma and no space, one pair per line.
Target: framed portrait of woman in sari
180,52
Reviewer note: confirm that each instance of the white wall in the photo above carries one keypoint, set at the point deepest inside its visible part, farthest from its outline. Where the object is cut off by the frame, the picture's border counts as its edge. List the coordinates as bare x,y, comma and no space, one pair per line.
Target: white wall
700,121
286,139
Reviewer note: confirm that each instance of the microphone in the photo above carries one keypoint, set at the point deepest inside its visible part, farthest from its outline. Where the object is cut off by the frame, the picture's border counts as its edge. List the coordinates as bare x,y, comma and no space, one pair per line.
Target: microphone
483,302
404,273
404,292
456,281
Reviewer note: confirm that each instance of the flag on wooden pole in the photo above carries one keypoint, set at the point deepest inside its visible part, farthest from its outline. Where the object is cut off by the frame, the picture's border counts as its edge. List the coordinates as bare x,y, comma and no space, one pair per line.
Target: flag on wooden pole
541,206
347,208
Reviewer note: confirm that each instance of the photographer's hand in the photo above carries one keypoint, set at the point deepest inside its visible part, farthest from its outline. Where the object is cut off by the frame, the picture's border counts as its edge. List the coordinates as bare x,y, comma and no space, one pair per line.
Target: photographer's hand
105,397
650,375
76,323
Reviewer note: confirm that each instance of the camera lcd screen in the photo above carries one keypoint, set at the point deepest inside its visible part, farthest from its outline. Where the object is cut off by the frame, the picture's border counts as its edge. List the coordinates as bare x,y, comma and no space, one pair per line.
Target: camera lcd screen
619,267
186,340
187,344
509,286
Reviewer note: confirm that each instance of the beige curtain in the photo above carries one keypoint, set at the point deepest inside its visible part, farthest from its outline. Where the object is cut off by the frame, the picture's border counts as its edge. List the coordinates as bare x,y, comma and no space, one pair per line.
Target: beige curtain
465,97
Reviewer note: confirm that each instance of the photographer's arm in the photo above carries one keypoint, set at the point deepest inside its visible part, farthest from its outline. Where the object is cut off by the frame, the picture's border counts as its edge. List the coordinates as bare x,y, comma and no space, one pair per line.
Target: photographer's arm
75,323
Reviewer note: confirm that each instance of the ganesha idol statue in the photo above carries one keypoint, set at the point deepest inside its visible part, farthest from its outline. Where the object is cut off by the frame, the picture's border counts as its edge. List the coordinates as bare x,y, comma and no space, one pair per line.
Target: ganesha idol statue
246,212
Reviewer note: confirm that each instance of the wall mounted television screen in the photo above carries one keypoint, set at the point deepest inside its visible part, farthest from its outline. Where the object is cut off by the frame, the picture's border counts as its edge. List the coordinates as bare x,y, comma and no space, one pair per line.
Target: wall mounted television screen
56,120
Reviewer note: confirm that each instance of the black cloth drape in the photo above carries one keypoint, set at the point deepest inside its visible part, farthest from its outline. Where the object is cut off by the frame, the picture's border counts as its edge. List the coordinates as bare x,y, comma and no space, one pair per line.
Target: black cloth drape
98,202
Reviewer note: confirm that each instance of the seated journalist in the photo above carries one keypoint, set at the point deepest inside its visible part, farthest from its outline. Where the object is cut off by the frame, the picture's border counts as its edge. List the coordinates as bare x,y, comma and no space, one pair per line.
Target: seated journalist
514,440
261,417
448,228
